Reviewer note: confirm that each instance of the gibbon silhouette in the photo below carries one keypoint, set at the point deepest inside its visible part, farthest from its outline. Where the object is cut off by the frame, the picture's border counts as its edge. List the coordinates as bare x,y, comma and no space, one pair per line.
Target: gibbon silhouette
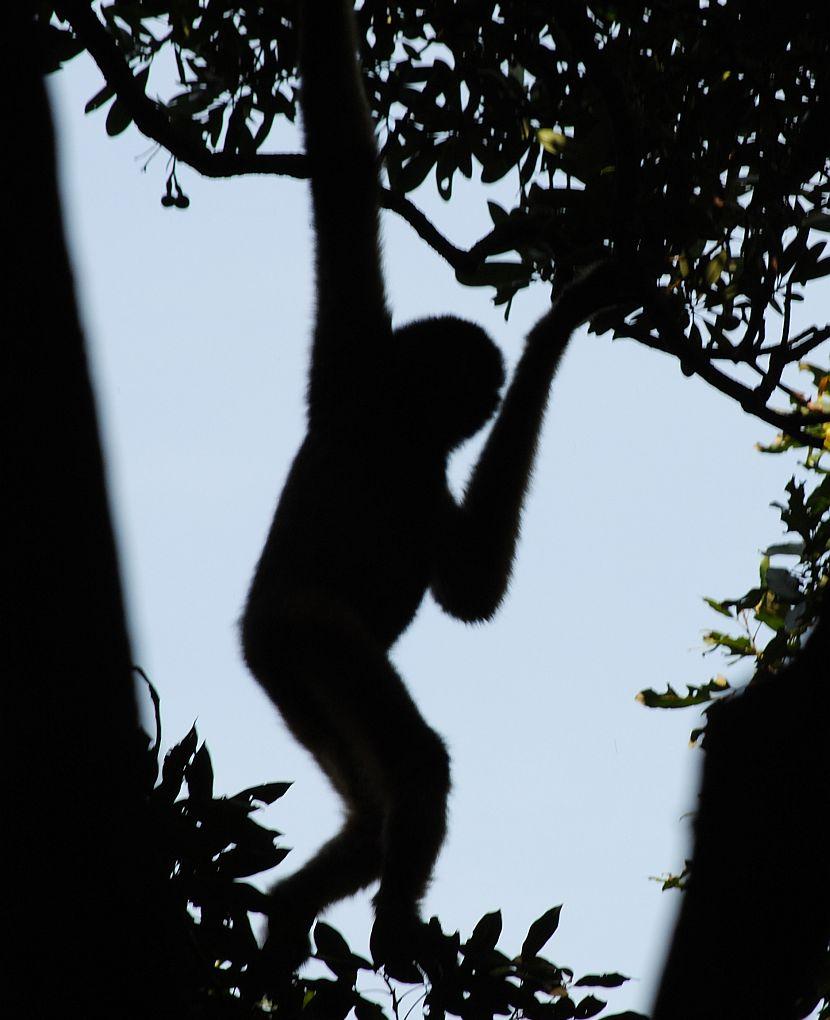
366,523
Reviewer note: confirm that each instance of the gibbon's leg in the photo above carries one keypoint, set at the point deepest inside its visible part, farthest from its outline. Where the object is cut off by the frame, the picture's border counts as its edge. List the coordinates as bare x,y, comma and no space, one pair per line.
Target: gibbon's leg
348,862
344,701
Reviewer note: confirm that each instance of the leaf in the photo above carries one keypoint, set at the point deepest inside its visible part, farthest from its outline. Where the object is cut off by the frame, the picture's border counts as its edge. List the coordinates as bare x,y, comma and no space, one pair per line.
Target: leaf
55,46
734,645
768,614
782,584
817,221
541,931
486,932
329,942
415,170
671,699
226,822
719,607
494,274
588,1007
334,951
497,214
199,775
364,1009
215,123
762,570
175,762
629,1014
240,861
715,267
177,52
98,100
552,141
118,118
602,980
249,898
785,549
265,793
815,272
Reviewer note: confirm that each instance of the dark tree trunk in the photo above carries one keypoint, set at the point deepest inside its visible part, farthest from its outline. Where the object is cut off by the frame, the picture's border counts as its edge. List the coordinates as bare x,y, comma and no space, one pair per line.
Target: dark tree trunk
83,908
755,921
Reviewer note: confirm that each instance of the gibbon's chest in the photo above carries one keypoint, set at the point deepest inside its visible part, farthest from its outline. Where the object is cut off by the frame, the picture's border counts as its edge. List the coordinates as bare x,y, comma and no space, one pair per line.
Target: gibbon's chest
357,520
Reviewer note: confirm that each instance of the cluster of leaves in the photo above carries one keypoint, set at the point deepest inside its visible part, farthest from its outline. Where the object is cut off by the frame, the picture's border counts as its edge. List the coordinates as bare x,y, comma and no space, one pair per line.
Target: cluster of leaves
473,980
686,136
204,845
774,614
677,881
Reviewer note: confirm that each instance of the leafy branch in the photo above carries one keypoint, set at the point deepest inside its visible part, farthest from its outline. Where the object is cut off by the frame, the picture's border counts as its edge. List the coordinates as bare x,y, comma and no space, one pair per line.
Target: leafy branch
204,845
775,614
720,231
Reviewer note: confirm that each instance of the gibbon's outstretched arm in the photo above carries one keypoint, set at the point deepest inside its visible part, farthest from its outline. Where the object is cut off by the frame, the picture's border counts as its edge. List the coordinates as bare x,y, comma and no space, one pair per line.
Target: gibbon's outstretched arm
352,327
478,545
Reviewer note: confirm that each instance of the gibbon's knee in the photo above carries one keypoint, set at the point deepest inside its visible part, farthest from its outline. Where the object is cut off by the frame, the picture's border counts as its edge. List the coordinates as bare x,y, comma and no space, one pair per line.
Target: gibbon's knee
419,765
417,822
347,863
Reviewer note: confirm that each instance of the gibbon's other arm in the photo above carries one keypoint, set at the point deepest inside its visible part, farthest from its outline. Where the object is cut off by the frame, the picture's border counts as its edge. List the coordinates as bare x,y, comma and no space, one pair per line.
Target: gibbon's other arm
477,545
352,326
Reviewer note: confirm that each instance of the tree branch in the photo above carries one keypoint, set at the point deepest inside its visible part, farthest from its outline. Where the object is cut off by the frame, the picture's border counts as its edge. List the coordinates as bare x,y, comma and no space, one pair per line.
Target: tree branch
458,258
749,399
152,120
798,346
816,337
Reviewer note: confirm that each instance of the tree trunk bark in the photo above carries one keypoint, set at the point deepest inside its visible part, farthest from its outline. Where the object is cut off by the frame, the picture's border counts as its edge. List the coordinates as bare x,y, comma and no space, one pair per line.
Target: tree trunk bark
83,900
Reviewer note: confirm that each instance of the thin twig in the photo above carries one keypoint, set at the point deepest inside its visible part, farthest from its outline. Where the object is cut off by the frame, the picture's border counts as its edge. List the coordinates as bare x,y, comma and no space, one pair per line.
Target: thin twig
792,424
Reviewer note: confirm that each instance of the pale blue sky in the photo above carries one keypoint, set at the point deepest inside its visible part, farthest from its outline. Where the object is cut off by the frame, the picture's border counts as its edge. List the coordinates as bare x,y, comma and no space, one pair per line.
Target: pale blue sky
647,495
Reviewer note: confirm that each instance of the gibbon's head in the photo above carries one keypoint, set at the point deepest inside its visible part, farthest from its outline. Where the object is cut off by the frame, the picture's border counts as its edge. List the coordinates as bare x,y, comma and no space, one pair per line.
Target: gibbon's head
449,379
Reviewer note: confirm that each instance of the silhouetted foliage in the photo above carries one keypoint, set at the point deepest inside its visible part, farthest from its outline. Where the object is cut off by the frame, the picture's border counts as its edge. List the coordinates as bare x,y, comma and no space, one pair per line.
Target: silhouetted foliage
776,613
204,845
761,829
686,136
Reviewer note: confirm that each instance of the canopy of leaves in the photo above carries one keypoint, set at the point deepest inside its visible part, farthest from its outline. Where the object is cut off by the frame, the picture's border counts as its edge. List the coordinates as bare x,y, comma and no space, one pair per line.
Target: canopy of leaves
687,136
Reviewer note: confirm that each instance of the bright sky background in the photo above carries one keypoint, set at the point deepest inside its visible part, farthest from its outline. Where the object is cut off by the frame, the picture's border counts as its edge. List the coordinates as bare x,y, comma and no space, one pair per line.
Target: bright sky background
648,495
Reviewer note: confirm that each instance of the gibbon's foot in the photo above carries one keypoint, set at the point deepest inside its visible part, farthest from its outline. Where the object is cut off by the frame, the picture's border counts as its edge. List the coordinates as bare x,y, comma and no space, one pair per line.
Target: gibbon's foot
396,942
287,946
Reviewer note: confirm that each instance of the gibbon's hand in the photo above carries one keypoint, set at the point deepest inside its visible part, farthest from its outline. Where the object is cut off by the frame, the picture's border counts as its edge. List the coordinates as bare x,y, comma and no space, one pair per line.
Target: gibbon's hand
596,288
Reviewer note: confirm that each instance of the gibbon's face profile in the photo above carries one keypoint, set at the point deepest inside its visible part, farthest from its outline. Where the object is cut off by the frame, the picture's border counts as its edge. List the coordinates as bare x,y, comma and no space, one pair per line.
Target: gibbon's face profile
450,375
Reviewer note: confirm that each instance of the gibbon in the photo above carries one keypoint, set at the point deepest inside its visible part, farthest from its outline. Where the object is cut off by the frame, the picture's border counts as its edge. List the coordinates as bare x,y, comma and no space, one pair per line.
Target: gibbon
366,523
